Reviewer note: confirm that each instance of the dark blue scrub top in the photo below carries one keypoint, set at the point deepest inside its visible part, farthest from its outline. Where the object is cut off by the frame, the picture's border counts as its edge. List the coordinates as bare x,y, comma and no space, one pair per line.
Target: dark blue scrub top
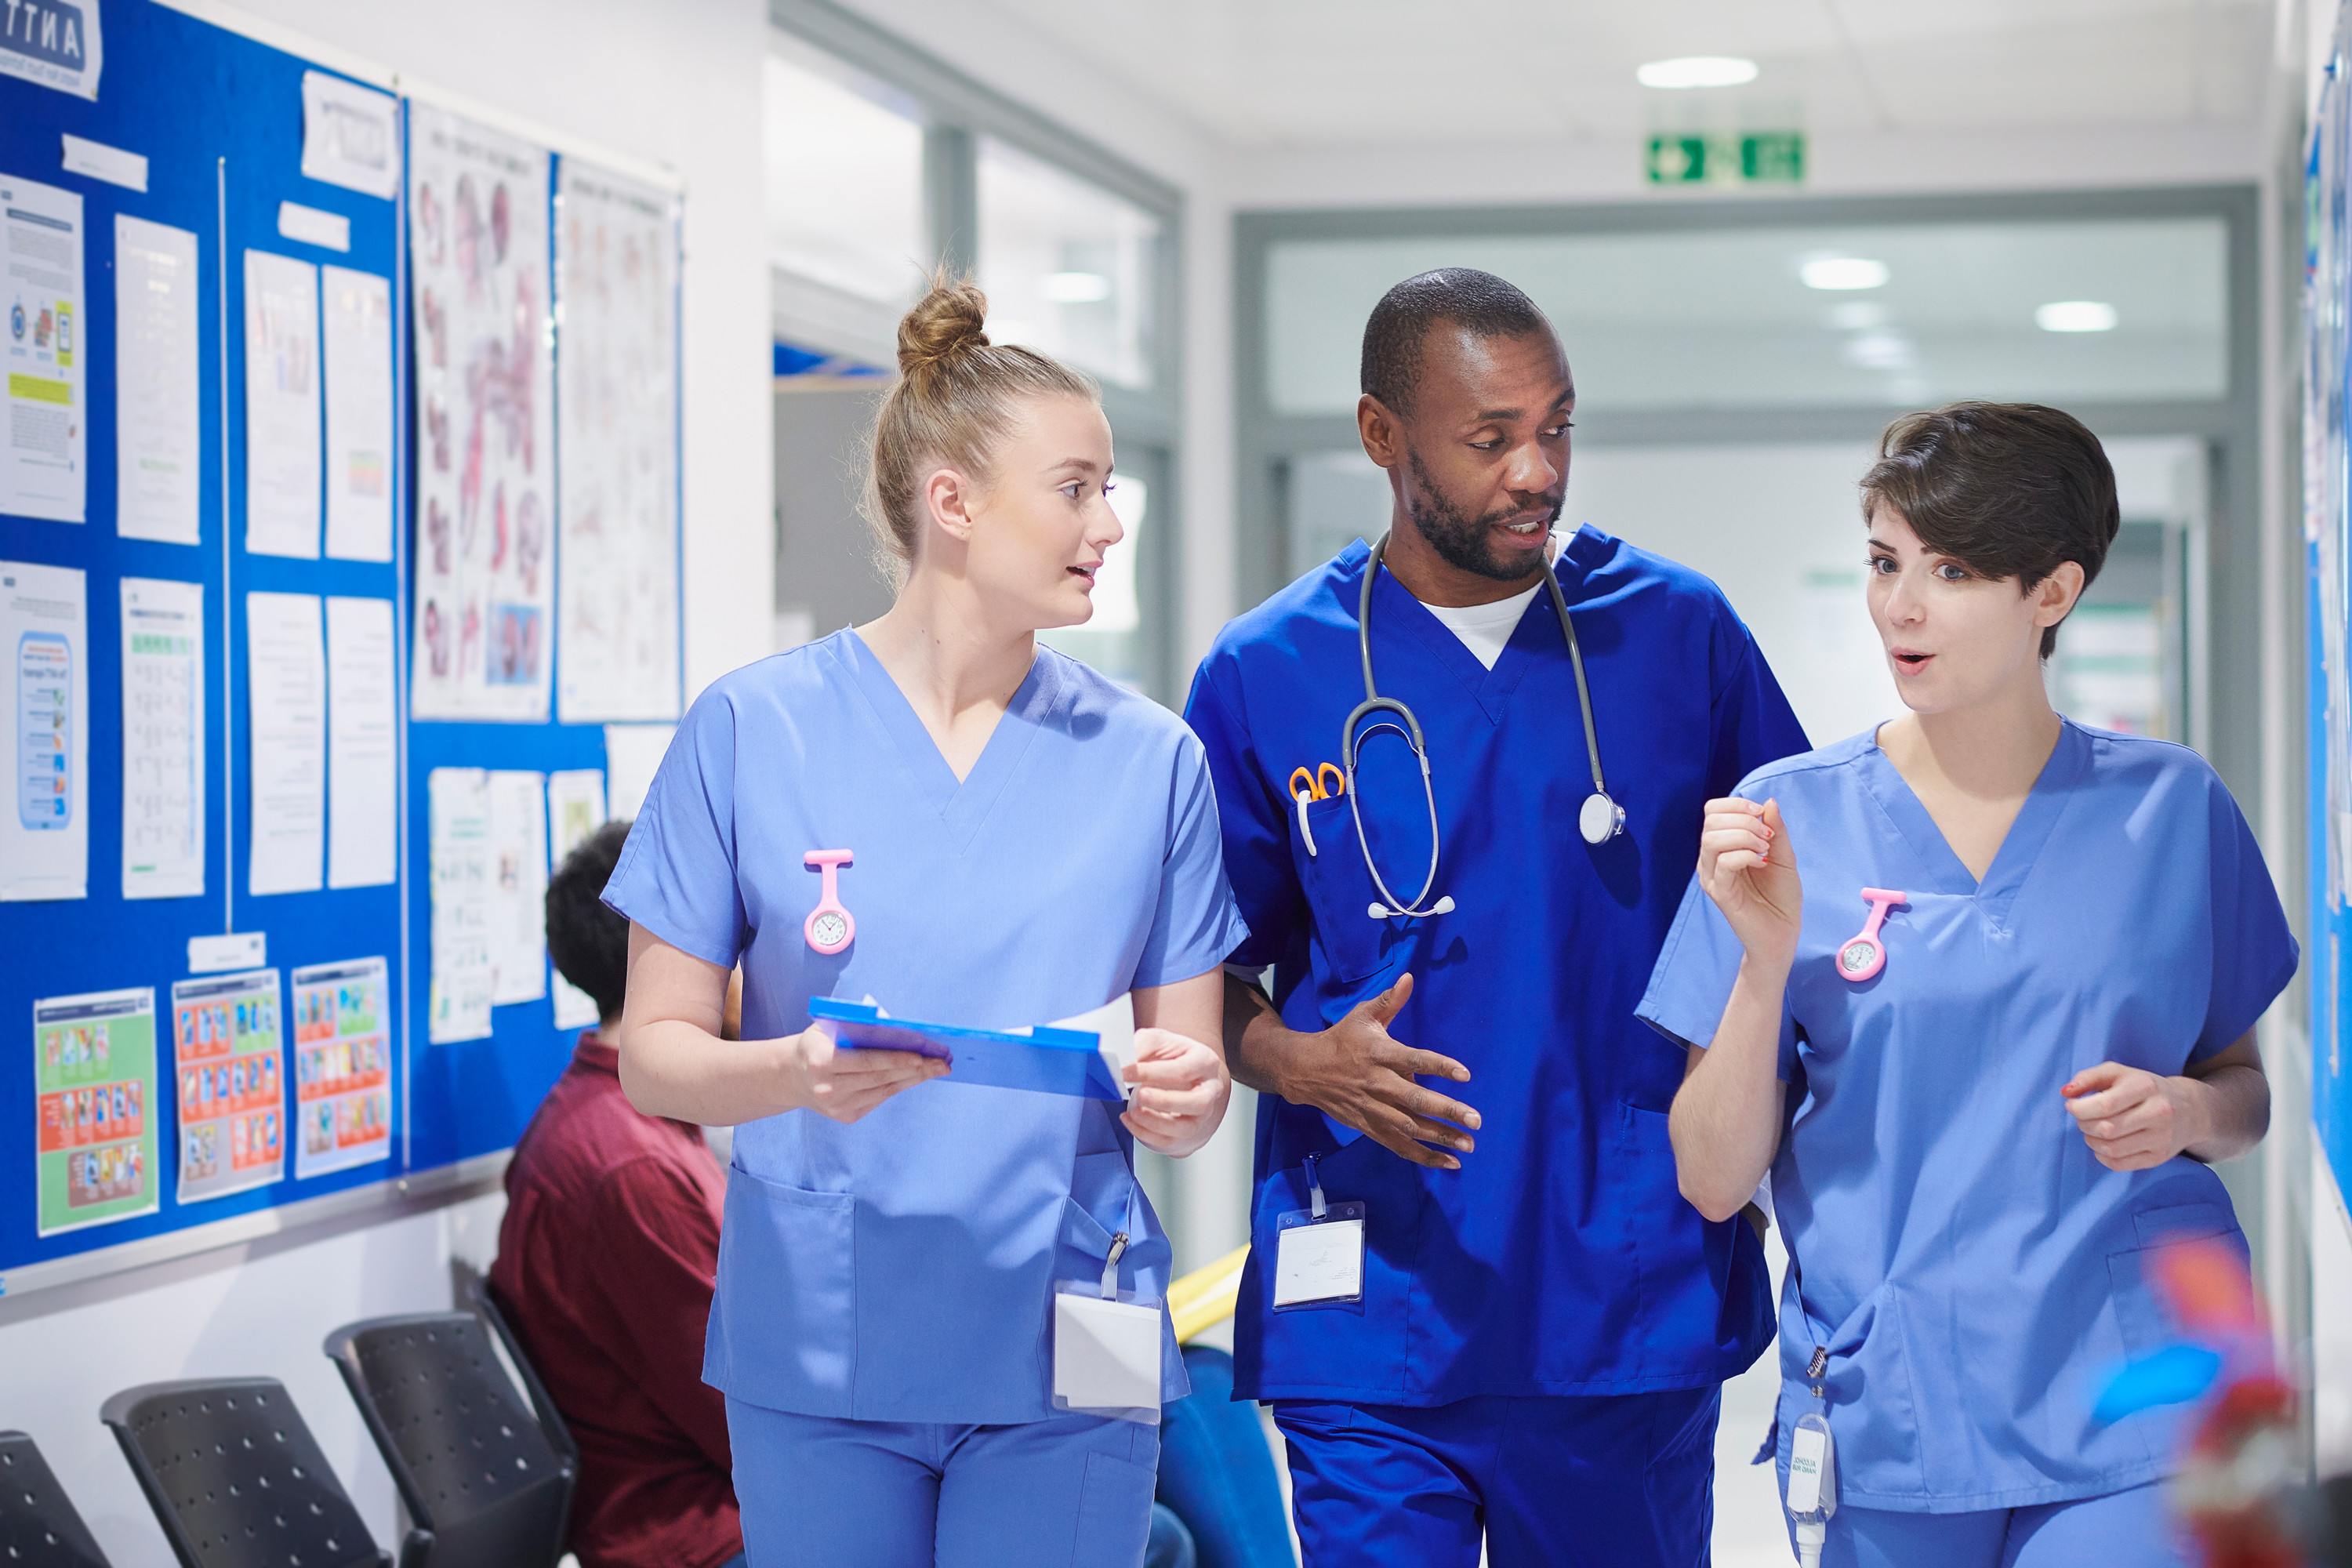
1560,1259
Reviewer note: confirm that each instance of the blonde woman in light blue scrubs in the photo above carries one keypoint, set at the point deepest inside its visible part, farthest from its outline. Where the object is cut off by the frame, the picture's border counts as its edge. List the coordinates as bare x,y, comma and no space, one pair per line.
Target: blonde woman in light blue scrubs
1028,841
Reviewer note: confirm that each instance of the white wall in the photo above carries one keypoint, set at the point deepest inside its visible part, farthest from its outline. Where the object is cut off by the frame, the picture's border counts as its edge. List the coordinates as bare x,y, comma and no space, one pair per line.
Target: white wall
261,1310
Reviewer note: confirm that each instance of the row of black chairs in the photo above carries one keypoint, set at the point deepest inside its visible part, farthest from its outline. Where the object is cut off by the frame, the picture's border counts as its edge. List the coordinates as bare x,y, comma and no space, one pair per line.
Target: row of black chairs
237,1481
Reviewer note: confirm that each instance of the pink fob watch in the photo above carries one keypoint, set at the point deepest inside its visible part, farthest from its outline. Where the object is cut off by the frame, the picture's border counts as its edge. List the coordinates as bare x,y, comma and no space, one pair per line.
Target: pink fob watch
829,926
1864,954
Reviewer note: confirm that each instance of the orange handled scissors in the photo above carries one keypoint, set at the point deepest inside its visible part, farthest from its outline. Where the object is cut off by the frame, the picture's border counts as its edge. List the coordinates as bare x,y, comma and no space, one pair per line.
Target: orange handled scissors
1311,784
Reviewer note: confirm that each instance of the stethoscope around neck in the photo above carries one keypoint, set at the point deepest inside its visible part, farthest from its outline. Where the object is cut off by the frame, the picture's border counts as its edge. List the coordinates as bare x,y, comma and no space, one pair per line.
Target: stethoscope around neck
1600,820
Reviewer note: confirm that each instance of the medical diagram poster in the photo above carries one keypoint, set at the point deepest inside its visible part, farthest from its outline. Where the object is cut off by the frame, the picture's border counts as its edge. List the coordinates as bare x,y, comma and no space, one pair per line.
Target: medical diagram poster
484,634
94,1104
342,1067
42,468
227,1037
616,262
45,706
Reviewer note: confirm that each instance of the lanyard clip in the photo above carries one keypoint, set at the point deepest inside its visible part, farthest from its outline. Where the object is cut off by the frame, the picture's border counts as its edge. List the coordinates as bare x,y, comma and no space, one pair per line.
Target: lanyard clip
1315,1188
1820,1365
1110,1266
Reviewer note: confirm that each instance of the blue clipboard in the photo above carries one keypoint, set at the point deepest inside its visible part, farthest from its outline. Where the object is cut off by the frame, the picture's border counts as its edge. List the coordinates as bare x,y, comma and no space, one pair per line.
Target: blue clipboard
1047,1061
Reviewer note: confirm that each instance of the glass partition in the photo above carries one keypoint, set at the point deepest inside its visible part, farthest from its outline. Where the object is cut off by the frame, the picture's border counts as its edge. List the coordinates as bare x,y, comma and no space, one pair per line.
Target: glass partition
845,181
2127,310
1067,265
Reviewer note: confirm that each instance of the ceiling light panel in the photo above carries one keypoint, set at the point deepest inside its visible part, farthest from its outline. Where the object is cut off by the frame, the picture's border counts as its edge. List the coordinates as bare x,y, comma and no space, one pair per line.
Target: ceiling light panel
1697,70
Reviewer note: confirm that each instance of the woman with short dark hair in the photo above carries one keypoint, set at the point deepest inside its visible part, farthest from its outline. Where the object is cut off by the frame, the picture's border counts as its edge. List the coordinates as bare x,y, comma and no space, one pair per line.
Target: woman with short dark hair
1988,1044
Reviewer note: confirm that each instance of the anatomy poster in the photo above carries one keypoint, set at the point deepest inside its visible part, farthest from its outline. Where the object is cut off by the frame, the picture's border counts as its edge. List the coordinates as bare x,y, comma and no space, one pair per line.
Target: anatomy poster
616,262
484,642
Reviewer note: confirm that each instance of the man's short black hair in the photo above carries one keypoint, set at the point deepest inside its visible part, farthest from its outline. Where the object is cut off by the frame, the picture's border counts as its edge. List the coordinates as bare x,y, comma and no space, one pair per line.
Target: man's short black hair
588,942
1480,301
2008,489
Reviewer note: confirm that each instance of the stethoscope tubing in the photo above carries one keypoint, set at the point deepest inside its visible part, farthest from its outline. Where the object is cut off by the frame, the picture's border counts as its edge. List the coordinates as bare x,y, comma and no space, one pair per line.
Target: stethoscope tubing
1374,702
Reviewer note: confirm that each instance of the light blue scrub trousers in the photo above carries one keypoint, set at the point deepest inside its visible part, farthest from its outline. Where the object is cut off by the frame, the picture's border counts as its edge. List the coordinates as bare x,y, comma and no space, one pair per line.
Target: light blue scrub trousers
2121,1530
817,1492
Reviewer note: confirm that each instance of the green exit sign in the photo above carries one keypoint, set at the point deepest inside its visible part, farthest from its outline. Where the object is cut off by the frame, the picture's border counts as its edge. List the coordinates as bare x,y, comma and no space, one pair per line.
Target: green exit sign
1758,158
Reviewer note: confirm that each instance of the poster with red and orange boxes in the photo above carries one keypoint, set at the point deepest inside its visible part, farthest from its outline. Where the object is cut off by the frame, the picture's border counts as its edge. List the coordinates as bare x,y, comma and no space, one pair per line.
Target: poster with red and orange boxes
228,1046
342,1066
94,1092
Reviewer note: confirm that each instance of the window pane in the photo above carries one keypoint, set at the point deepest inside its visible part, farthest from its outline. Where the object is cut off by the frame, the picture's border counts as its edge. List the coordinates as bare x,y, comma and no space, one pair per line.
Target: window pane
845,181
1890,315
1112,639
1067,265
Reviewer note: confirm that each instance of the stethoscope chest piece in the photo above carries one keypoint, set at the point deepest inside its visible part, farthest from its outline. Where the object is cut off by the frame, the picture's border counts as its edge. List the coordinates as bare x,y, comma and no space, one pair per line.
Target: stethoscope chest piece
1864,954
1601,819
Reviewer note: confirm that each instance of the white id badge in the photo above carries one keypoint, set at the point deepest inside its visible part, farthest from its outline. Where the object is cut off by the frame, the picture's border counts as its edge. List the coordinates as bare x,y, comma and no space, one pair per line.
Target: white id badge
1105,1354
1319,1262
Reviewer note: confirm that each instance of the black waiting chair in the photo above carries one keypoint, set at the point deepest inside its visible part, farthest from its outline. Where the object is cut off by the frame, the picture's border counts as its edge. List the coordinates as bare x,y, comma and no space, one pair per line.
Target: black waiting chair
237,1481
475,1469
39,1526
493,1309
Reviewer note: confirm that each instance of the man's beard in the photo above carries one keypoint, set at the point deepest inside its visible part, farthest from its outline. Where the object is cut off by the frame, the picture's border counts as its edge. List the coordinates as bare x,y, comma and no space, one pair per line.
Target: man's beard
1460,541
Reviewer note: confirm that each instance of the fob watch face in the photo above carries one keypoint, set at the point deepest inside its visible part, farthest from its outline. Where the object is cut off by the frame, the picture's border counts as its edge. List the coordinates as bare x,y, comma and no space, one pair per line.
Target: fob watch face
830,929
1856,956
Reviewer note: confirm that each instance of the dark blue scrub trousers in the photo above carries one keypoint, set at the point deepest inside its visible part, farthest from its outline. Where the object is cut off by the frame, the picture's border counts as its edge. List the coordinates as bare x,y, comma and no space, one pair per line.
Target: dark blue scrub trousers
1617,1481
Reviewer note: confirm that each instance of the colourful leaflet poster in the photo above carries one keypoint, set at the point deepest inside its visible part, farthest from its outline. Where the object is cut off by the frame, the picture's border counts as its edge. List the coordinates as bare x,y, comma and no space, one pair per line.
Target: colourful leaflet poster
225,1030
94,1104
342,1067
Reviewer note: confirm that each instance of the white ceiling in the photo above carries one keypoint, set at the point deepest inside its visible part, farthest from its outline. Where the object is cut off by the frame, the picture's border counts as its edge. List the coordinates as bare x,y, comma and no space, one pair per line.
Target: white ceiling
1346,73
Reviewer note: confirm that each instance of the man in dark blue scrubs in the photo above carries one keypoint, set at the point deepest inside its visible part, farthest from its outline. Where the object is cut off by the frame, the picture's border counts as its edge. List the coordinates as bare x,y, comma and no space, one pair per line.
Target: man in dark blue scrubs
1477,1299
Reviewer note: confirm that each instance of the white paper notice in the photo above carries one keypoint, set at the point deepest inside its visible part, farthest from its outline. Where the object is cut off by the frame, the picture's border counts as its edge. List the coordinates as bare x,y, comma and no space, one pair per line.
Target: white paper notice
575,808
362,760
518,887
359,414
632,754
45,702
484,638
350,135
163,739
458,1007
41,466
281,405
286,675
156,464
616,263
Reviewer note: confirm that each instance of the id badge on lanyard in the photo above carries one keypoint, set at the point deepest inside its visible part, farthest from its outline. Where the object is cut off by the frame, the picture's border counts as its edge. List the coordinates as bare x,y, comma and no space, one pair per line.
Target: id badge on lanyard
1107,1343
1318,1252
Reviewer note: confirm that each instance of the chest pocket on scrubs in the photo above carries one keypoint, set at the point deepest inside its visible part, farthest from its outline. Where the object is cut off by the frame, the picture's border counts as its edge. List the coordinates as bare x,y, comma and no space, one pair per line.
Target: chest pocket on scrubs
1339,890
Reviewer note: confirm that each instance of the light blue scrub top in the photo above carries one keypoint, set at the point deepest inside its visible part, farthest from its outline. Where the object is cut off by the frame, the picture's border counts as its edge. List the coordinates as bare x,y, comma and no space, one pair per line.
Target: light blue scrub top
1975,1273
902,1269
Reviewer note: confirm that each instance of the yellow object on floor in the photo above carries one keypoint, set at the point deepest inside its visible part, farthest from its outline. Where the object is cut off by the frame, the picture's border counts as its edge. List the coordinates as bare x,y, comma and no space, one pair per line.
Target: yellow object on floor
1206,1296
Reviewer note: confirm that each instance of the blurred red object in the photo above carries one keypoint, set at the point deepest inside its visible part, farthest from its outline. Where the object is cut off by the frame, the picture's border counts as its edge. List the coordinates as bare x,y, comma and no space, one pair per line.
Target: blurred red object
2242,1475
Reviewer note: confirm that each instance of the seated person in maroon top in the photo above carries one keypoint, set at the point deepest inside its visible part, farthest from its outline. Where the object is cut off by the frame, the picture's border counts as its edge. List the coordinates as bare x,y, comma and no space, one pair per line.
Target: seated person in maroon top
606,1261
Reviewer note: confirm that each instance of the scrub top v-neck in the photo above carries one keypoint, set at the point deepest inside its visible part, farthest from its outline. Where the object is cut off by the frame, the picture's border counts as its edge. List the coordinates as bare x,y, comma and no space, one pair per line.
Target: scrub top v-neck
1973,1269
901,1268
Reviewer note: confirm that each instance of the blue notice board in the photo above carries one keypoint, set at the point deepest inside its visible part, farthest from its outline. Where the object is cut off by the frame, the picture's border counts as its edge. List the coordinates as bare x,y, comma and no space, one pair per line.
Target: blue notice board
218,119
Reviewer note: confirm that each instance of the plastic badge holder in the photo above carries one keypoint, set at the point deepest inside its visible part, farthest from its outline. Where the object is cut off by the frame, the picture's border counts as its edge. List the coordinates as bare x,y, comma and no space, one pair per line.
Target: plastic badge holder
1320,1253
1044,1060
1106,1346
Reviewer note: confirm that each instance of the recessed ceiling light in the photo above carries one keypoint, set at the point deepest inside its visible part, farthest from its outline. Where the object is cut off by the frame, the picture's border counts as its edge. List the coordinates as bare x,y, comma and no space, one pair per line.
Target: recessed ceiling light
1076,288
1696,70
1842,273
2075,315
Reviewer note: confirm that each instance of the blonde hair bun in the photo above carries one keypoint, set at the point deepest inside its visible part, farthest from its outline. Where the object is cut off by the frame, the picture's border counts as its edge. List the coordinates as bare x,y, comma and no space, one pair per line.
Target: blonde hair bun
947,323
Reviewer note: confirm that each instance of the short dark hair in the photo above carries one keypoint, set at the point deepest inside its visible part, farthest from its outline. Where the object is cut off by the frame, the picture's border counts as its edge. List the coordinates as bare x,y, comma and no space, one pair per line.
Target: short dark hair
2008,489
588,942
1480,301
